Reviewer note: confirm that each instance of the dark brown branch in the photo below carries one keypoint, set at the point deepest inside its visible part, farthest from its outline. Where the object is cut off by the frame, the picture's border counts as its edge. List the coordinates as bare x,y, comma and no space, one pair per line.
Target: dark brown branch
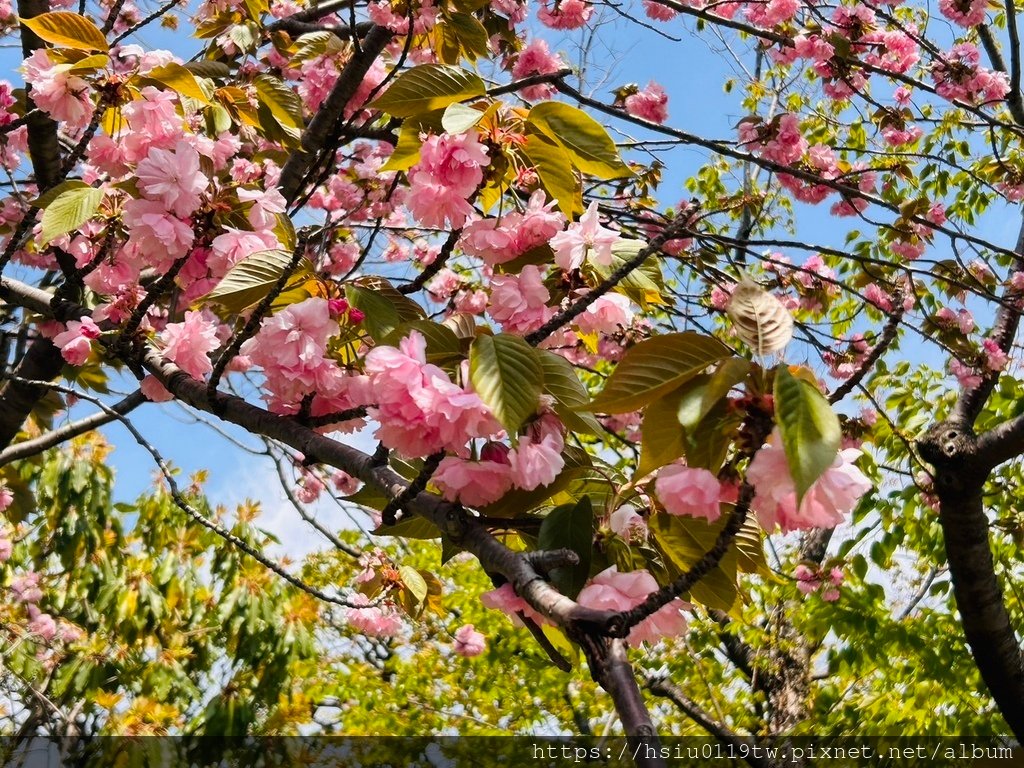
55,437
662,686
315,137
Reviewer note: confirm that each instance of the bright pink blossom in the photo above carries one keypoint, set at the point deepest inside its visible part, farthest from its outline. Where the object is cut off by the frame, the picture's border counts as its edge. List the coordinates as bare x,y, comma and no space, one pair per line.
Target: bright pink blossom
376,621
519,302
614,591
538,459
41,624
75,343
62,95
448,173
473,483
566,14
650,103
536,59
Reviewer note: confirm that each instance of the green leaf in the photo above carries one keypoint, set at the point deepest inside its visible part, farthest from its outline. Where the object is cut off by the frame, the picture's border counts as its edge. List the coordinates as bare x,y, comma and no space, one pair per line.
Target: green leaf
443,345
414,582
471,35
508,376
708,445
662,439
407,151
685,540
313,44
283,102
67,30
554,167
810,429
570,526
709,390
385,308
54,192
179,79
655,367
426,88
571,398
69,211
644,284
251,279
414,527
591,148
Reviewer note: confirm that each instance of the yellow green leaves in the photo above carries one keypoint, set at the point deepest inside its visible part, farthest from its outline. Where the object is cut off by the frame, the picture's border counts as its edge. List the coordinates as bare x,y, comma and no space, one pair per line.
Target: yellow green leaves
180,80
67,207
508,376
428,87
585,140
655,367
571,398
67,30
555,169
283,104
810,429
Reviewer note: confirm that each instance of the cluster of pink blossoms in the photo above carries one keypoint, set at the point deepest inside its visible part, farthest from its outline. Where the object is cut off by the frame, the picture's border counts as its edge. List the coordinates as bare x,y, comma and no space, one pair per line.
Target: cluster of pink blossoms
958,75
650,103
498,240
824,505
536,59
446,178
966,13
610,590
779,141
469,642
535,461
565,14
291,348
689,491
419,409
58,92
817,580
519,302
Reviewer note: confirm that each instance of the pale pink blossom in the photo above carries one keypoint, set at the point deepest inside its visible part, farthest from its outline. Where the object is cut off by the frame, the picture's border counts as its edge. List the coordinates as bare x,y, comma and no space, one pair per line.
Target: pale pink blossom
469,642
62,95
538,459
154,391
689,491
157,238
824,505
473,483
584,239
519,302
505,599
173,178
626,523
26,588
188,344
613,591
376,621
995,358
610,313
6,548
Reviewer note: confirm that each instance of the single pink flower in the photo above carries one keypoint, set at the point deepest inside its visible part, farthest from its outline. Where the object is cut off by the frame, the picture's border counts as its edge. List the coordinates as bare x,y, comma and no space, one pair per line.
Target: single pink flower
469,642
75,343
689,491
473,483
188,344
173,178
650,103
613,591
505,599
584,239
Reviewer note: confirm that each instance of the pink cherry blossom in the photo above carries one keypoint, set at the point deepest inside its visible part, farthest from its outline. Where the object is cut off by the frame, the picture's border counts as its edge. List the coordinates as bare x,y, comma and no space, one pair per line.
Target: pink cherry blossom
473,483
826,502
41,624
56,91
519,302
156,238
969,14
536,59
689,491
613,591
566,14
626,523
584,239
26,588
995,358
469,642
538,459
419,409
75,343
448,173
505,599
188,344
610,313
650,103
376,621
173,178
6,548
659,11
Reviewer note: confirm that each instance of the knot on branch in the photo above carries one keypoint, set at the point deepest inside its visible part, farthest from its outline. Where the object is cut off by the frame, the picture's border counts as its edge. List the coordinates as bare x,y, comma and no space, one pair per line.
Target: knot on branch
952,450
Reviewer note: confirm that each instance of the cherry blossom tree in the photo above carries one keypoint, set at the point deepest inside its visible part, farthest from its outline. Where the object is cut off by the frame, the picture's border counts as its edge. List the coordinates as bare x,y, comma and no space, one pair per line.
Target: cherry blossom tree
751,421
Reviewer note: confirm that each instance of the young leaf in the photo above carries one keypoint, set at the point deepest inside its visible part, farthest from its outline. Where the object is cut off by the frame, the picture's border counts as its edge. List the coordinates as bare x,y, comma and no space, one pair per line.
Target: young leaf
67,30
683,541
570,526
587,142
700,399
554,167
810,430
179,79
571,398
663,439
69,211
760,319
508,376
252,278
426,88
655,367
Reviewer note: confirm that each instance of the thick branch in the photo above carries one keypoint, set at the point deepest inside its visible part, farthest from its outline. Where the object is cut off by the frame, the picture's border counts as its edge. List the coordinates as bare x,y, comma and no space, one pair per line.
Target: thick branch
317,133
